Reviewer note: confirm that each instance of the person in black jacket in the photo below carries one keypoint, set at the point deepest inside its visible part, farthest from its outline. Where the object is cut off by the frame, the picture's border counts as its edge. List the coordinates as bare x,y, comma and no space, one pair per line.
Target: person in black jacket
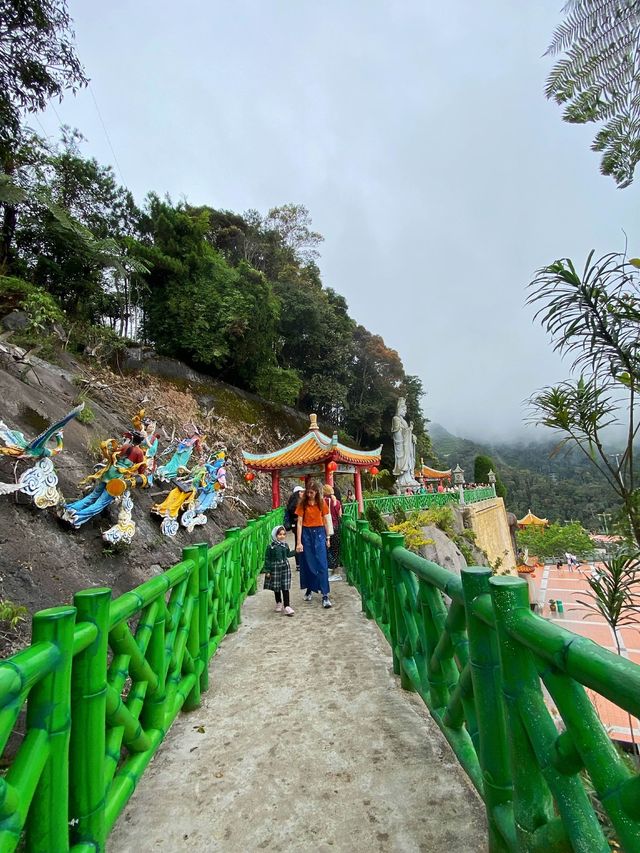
277,570
290,518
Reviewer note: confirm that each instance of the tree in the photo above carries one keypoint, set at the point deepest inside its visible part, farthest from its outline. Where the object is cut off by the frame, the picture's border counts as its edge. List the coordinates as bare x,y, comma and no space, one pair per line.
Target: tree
599,78
481,467
292,222
594,316
614,589
554,541
37,62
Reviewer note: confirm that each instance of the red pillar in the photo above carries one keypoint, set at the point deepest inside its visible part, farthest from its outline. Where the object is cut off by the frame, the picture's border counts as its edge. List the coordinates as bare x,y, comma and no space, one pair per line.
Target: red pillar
358,485
275,489
328,475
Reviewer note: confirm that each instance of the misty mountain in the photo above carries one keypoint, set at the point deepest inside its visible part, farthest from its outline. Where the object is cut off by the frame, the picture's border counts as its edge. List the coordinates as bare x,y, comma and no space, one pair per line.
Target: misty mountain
560,485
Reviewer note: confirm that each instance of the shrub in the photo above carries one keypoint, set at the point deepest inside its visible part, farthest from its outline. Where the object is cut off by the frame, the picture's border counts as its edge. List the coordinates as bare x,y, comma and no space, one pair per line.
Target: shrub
399,515
12,613
375,519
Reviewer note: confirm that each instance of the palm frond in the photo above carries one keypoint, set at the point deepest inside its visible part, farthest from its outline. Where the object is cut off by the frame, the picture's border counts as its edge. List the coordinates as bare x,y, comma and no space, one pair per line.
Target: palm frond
599,78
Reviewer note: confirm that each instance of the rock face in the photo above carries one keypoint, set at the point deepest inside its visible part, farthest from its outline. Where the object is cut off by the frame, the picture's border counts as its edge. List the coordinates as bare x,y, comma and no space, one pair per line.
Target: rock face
443,551
15,321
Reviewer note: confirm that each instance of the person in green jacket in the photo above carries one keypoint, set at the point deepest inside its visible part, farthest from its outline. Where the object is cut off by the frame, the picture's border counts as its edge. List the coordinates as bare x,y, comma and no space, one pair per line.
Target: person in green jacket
277,569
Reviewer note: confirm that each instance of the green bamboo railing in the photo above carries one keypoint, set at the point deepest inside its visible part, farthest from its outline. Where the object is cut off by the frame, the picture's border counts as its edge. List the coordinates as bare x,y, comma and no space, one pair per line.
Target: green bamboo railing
481,661
102,682
410,503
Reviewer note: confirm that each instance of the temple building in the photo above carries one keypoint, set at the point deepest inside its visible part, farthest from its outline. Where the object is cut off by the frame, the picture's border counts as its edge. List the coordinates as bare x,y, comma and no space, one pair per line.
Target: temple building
531,520
316,456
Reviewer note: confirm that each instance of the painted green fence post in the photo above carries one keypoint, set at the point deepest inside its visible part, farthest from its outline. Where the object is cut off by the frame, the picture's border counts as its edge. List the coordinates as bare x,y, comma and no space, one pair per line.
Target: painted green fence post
88,707
533,805
389,542
236,574
254,524
363,574
399,606
203,594
192,553
49,708
493,752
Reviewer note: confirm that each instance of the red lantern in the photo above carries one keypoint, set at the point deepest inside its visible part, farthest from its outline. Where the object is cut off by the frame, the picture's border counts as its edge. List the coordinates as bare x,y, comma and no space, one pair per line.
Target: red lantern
249,476
332,466
374,471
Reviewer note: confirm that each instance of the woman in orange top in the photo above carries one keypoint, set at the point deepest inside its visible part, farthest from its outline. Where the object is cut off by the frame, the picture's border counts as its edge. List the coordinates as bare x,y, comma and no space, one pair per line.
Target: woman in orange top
312,541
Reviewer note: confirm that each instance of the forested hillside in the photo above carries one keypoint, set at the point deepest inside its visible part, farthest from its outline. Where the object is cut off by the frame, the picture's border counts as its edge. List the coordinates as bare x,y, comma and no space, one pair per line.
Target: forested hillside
560,486
238,296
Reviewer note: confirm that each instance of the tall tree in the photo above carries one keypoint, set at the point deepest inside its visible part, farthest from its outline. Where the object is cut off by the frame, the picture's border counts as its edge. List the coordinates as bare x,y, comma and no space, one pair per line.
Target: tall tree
38,62
598,79
594,316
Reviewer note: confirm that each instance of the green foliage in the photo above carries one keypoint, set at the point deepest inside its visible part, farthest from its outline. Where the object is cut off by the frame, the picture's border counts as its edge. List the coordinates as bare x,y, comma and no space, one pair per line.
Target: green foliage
277,384
42,309
38,62
554,541
399,515
87,415
100,343
598,78
411,529
11,613
481,467
375,519
614,590
594,316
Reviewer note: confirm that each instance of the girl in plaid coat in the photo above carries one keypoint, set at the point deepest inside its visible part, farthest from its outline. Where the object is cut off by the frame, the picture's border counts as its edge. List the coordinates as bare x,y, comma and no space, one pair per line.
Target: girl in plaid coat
277,569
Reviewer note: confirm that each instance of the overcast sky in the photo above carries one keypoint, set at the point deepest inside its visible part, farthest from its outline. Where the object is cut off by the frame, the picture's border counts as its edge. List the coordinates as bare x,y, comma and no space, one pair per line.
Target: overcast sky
417,134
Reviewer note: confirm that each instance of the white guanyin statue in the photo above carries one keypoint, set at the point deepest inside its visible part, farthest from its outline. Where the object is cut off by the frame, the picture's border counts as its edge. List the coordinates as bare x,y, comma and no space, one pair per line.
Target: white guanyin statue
404,446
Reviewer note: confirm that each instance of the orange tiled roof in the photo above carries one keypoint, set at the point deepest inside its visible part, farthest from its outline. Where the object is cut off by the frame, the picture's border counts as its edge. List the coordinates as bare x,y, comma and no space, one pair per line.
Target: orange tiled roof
313,448
530,519
433,474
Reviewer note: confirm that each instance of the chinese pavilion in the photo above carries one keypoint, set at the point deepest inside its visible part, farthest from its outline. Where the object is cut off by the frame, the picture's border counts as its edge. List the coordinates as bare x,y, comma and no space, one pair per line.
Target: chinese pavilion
531,520
314,455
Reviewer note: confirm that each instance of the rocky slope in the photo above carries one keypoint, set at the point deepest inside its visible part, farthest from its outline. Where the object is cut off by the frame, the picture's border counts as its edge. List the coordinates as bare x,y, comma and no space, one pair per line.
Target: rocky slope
43,562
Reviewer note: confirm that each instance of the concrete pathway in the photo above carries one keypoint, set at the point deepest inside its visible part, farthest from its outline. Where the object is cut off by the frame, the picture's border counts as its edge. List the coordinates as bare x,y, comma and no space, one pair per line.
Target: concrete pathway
304,742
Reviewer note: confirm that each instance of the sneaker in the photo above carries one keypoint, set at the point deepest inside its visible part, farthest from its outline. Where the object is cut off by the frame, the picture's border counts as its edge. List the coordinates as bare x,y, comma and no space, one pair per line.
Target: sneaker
289,611
279,607
308,596
326,602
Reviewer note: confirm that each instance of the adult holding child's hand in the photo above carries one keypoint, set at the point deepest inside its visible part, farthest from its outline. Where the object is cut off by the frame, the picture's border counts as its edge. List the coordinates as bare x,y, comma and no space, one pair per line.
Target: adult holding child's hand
312,540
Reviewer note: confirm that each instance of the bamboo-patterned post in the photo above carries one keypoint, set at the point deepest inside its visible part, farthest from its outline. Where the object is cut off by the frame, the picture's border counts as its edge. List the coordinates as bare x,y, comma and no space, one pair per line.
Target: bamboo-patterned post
252,580
484,659
192,553
153,713
49,708
399,605
203,581
88,702
532,801
236,569
389,542
361,526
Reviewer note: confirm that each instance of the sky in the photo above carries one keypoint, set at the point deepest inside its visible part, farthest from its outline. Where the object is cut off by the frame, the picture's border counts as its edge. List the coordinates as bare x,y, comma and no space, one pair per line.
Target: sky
416,133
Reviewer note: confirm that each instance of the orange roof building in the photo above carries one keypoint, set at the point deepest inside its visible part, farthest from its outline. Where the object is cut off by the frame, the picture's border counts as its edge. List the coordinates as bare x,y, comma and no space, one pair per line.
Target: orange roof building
314,455
433,474
531,520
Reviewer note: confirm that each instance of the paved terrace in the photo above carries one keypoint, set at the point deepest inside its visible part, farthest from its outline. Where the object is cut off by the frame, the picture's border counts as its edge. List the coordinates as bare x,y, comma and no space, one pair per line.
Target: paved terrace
572,589
304,741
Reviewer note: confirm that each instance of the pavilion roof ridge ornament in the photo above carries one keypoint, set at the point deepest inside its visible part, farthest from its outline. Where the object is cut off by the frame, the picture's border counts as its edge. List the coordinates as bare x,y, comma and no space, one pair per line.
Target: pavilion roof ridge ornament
313,422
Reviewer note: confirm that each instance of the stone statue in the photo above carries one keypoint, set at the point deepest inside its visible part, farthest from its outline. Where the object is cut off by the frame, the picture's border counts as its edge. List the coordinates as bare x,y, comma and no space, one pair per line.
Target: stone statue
404,446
